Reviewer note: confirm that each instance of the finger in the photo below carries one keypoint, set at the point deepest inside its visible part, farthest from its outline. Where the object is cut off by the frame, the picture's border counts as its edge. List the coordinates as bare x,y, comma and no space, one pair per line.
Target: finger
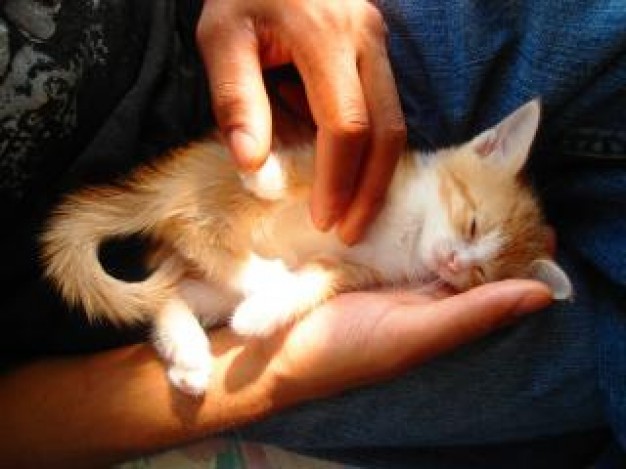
239,99
388,140
338,107
461,318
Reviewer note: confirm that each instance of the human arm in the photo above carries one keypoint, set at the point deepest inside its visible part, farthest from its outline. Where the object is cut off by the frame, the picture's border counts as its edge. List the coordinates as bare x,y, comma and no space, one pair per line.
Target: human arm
340,53
94,410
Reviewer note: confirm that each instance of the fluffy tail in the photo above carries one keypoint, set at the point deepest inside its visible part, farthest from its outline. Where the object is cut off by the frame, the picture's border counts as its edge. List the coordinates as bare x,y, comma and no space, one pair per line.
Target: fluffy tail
70,247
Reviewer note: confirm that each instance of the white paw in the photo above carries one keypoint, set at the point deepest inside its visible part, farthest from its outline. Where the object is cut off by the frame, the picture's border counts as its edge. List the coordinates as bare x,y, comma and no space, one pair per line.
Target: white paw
190,380
269,182
189,363
257,316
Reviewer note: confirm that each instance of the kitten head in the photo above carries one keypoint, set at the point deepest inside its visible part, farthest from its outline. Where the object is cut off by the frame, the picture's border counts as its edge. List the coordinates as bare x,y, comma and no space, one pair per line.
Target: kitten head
486,224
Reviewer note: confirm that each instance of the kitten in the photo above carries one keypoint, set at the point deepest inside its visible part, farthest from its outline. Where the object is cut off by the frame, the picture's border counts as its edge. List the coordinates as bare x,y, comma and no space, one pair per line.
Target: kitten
243,246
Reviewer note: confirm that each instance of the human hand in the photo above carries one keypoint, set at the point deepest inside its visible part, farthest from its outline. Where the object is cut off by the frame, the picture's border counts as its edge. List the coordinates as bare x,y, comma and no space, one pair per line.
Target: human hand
340,52
360,338
119,403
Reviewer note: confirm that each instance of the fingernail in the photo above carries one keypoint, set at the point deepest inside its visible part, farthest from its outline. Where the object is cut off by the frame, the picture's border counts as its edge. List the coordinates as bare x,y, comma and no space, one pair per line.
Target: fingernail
321,219
245,148
323,222
347,234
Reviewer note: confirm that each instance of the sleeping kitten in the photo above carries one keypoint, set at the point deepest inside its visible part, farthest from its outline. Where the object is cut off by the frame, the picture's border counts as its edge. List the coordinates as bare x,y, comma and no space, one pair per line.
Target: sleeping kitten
243,246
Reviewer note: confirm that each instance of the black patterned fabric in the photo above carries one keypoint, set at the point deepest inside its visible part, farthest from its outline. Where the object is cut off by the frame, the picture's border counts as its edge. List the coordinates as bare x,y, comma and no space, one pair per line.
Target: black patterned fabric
88,89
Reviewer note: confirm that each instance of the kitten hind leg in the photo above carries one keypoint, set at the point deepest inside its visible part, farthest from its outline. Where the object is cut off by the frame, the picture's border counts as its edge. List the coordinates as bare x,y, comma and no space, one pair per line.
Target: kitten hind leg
183,344
210,304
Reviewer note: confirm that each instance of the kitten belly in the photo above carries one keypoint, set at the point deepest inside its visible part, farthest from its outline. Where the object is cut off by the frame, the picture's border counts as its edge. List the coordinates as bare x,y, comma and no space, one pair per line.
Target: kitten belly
288,234
389,248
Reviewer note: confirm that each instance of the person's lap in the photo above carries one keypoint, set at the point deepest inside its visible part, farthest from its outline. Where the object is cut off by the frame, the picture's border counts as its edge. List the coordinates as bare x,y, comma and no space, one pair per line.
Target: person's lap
459,70
536,378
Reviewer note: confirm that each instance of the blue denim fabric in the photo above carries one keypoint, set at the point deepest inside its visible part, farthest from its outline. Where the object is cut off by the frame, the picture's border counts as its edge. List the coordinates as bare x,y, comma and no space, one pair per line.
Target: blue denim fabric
460,67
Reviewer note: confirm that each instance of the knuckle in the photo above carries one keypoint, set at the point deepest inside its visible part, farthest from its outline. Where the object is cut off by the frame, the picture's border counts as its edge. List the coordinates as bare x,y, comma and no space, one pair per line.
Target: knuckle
227,99
202,33
375,23
350,126
207,29
330,16
226,93
217,25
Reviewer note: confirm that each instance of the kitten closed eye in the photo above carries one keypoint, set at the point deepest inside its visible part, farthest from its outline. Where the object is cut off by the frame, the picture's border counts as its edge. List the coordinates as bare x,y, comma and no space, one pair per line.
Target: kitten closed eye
473,229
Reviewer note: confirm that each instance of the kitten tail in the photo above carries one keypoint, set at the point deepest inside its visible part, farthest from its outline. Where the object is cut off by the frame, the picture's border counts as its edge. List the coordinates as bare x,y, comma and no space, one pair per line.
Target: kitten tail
70,247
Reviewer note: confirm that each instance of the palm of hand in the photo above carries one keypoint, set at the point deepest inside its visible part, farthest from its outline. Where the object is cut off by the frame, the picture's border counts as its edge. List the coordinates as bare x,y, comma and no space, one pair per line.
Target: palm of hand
362,337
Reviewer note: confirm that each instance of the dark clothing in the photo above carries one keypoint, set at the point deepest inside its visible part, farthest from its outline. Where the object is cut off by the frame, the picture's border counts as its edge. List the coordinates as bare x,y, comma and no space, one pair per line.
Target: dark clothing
87,91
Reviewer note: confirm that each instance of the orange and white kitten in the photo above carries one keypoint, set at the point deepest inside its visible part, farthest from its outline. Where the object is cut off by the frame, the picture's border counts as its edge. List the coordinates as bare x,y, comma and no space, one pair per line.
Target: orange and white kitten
243,247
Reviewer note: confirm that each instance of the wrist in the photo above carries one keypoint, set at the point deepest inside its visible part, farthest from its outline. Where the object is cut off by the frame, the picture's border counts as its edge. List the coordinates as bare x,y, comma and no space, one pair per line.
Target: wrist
243,382
260,372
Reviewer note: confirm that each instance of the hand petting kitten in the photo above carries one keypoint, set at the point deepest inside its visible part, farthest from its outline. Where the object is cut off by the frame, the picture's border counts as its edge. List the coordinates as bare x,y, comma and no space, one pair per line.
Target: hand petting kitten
343,63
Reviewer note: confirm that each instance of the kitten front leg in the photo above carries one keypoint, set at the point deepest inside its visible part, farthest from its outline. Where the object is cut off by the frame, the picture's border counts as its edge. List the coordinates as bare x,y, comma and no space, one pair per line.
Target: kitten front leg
182,343
281,298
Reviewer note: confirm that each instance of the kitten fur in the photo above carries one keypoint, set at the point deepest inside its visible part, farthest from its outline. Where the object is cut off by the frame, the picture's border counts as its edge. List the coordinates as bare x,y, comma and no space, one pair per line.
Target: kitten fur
243,247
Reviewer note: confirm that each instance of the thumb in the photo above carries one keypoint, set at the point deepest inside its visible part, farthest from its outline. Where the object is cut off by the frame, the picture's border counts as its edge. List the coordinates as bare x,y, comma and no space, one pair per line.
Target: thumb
458,319
238,95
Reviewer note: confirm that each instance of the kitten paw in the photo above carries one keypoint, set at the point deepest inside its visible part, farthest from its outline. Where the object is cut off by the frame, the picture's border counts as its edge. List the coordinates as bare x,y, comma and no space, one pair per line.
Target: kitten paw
188,360
252,318
269,182
192,381
286,296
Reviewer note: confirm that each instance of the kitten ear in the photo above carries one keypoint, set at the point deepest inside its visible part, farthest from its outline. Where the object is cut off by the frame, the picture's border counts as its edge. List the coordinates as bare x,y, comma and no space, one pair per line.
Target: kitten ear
508,143
548,272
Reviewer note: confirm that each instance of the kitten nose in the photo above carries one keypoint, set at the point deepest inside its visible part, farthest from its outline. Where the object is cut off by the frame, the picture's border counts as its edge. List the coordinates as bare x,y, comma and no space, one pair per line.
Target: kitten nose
453,264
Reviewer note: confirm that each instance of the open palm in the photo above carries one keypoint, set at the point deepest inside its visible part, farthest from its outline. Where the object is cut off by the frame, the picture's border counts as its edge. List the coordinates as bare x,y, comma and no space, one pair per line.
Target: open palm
363,337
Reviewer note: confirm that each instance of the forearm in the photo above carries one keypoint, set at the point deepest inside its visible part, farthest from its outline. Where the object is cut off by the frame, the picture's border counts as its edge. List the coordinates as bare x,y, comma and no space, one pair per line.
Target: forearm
96,410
